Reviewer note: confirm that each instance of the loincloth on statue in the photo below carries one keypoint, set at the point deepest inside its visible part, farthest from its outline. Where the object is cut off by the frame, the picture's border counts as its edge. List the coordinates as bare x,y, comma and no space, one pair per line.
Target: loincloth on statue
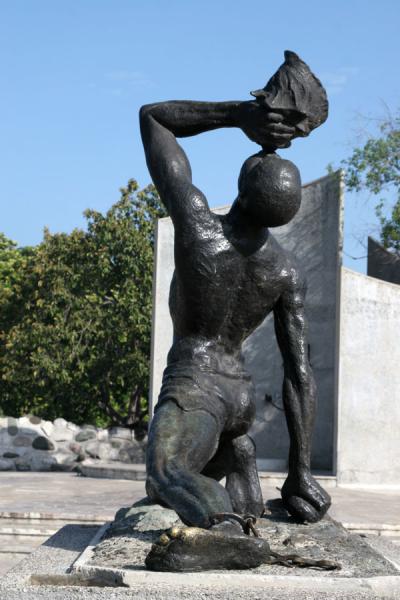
212,381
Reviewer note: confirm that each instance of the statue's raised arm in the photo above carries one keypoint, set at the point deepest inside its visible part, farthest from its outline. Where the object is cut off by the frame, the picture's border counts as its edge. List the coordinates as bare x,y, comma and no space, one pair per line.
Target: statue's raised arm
168,164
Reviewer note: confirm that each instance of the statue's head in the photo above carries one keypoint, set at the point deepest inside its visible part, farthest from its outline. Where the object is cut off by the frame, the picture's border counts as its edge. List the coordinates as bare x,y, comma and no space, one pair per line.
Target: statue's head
269,189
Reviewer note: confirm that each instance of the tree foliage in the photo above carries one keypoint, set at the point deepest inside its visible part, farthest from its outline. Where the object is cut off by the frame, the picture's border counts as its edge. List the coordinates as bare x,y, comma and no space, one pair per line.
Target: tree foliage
375,167
76,320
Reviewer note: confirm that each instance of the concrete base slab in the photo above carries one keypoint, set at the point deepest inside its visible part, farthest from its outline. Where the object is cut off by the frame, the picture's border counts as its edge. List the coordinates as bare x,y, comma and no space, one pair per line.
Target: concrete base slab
45,575
79,561
119,550
74,560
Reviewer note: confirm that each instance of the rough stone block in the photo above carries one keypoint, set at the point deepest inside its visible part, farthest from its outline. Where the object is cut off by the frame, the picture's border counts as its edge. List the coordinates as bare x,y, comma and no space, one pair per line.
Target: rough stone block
34,419
62,434
85,434
6,464
42,443
23,463
10,455
39,462
12,426
22,441
47,428
121,433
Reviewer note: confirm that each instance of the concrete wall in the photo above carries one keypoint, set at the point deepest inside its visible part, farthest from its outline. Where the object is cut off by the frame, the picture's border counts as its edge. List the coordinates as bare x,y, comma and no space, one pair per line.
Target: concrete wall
382,264
315,237
368,443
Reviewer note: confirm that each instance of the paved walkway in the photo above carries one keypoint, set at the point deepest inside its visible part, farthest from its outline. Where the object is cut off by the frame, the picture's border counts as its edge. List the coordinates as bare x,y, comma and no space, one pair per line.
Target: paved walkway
68,496
33,505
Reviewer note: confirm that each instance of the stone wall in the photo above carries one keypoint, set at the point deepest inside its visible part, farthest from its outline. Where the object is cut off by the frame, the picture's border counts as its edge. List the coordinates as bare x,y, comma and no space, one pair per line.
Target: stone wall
32,444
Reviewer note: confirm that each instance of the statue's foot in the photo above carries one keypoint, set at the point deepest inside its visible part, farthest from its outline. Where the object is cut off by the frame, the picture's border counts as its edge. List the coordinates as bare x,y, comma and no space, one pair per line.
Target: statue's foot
193,549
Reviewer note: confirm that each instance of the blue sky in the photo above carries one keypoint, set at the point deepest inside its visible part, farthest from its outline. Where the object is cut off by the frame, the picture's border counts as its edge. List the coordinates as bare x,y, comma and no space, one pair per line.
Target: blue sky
75,73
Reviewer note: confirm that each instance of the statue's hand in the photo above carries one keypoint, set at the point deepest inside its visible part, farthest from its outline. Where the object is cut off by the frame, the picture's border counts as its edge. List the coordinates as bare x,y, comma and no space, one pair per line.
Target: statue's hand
303,497
264,127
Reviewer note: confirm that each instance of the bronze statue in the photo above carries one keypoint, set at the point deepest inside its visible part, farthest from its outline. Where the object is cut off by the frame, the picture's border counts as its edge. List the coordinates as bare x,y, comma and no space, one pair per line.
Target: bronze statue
230,273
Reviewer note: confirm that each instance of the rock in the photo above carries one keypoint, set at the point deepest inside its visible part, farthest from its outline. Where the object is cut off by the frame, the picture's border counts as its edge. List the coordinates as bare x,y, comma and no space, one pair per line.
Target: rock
144,516
34,420
62,434
76,448
136,454
102,435
131,452
60,422
23,463
72,426
22,441
12,427
123,456
47,427
10,455
93,449
42,443
99,450
6,464
85,434
113,454
120,432
64,461
42,463
26,427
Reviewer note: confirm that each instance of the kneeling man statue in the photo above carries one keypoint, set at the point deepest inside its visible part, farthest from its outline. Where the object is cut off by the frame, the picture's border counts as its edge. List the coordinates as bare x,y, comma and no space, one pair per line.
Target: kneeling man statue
230,273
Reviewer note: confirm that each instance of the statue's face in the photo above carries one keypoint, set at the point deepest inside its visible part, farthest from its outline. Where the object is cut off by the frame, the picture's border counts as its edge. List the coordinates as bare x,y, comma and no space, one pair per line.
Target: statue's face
269,190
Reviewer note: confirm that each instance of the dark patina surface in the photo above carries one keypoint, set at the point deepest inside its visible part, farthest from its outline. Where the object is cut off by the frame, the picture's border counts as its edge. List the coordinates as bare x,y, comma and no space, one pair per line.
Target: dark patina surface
230,273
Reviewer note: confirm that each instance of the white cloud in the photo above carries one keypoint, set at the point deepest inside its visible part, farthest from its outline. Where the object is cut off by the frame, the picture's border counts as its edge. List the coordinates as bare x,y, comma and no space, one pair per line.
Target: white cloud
336,81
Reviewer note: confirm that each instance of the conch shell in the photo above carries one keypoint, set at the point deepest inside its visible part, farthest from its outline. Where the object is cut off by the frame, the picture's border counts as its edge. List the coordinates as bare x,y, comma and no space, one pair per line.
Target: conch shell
297,93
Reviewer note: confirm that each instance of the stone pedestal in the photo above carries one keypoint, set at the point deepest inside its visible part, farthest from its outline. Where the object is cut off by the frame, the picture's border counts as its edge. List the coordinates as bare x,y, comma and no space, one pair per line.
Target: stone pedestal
75,559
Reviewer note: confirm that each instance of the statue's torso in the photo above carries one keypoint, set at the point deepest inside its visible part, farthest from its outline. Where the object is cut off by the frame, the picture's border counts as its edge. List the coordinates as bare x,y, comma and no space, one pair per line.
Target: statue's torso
222,290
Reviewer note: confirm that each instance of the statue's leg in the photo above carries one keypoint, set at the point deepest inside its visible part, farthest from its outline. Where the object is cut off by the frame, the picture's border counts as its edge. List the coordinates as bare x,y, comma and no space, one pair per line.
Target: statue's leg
180,444
235,459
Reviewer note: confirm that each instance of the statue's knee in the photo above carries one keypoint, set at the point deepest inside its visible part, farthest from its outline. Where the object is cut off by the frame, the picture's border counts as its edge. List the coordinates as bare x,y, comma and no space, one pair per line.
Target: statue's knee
245,448
161,478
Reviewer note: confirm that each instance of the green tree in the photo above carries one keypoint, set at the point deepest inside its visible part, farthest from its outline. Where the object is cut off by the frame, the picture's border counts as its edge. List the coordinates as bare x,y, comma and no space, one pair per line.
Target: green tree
80,345
375,167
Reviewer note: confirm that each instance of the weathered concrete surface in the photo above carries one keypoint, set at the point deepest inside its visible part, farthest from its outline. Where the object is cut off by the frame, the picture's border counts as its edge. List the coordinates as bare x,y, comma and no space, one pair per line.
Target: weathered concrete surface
128,540
52,560
315,238
368,446
46,575
381,263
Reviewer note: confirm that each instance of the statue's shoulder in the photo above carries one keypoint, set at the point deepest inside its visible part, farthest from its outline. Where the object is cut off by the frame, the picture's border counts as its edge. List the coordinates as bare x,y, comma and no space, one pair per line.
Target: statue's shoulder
286,263
200,226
